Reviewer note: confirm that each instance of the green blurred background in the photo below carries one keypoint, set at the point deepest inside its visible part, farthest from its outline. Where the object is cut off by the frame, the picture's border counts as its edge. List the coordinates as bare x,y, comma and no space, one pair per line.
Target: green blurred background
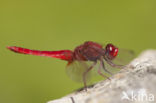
64,24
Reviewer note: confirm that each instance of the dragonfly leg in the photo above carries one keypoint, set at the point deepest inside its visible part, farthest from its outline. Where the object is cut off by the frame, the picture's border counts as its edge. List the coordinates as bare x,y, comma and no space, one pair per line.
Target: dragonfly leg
104,68
85,74
99,71
114,65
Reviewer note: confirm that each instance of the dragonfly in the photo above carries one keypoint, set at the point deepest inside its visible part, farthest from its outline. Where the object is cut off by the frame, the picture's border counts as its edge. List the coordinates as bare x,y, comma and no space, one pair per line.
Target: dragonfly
82,59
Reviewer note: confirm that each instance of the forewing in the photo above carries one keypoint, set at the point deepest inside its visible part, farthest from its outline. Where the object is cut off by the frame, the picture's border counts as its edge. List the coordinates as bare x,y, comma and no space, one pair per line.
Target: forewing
124,57
76,69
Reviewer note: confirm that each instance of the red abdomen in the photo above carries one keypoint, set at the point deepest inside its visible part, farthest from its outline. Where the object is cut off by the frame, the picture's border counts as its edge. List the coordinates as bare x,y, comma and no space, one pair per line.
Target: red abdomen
62,54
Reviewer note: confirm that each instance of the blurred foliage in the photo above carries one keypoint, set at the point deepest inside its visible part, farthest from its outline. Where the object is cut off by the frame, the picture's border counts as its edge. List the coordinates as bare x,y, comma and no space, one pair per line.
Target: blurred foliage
64,24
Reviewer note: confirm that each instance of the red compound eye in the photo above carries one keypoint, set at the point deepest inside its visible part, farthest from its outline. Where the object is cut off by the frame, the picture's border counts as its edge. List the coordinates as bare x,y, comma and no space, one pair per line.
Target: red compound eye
111,51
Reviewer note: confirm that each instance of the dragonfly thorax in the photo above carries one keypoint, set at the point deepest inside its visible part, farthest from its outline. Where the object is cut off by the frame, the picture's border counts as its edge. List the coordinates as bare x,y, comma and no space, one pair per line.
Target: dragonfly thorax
88,51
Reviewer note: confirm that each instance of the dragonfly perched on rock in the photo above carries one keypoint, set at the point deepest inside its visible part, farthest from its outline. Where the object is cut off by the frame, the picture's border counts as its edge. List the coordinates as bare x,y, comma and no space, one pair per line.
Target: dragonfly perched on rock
82,59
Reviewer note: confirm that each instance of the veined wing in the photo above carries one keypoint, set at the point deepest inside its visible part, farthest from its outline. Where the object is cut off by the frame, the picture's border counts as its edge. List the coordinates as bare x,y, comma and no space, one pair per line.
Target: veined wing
124,57
76,69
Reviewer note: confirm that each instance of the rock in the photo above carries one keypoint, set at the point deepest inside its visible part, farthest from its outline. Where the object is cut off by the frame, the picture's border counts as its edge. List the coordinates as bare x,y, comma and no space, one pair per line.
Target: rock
134,84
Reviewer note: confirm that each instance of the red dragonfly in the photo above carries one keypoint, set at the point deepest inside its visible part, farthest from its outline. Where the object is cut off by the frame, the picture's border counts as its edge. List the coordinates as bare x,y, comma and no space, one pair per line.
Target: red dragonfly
82,60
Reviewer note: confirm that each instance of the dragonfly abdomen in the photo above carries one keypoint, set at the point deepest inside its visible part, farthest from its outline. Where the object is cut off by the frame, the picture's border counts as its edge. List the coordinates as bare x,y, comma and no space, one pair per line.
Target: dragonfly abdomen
62,54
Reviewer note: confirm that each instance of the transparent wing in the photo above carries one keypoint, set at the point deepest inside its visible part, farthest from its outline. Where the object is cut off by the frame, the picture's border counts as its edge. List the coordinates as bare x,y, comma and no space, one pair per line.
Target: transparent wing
124,57
76,69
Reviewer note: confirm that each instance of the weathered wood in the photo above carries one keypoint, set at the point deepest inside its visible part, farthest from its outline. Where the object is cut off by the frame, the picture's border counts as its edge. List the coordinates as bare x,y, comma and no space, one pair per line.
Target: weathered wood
127,86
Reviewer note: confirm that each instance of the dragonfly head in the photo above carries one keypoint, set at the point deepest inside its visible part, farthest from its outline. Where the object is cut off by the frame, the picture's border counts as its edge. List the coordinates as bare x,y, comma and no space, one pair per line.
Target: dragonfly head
111,51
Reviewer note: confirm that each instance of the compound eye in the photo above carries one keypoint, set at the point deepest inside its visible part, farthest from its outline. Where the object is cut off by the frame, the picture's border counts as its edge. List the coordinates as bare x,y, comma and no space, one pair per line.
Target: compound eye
111,51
